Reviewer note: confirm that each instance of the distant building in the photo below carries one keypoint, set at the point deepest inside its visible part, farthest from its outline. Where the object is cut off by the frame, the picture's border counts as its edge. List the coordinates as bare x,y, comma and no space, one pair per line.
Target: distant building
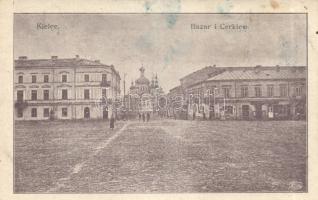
143,94
71,88
246,93
177,107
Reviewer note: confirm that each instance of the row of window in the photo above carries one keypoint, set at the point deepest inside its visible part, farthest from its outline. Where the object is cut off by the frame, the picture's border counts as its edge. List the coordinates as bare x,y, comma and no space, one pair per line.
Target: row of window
63,78
270,91
46,112
46,94
283,91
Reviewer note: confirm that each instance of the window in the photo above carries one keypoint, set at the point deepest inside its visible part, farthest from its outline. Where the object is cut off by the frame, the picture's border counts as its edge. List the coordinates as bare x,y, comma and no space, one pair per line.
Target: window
104,77
34,112
34,95
64,78
86,78
86,113
270,90
226,92
20,79
46,94
33,78
46,112
20,95
210,92
46,79
258,91
104,93
298,91
228,110
64,94
244,91
86,94
283,90
64,112
20,112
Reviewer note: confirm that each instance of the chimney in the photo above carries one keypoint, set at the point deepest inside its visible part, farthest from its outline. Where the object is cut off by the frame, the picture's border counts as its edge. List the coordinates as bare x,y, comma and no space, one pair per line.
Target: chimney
54,57
23,57
77,56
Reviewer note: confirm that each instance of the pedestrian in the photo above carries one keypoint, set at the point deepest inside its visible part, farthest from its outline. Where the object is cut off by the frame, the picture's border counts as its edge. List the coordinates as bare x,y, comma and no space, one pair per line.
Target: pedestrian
112,122
139,115
148,117
143,117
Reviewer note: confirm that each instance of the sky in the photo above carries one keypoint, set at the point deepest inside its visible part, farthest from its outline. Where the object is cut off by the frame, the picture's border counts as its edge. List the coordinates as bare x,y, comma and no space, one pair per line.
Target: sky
164,43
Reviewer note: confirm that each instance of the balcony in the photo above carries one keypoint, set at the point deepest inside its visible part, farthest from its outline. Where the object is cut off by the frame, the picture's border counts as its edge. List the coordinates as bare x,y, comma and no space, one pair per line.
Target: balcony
105,84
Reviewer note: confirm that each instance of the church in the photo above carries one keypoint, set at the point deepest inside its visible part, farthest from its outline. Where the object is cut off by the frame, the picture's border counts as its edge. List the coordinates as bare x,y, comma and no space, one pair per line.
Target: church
144,94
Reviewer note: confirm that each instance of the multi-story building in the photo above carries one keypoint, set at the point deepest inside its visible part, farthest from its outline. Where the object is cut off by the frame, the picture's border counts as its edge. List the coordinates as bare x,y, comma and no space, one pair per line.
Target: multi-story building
249,93
72,88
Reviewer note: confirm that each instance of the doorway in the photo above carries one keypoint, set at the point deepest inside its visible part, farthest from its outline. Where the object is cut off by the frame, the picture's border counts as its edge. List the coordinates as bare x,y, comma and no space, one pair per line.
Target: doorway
211,114
86,113
245,112
258,111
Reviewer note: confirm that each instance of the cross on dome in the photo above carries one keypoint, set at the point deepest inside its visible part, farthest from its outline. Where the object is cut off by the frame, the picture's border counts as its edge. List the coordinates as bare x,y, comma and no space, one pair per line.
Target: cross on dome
142,70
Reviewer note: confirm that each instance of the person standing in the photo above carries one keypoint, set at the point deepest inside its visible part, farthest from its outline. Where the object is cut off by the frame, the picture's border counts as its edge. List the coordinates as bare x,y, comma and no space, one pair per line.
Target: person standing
148,117
112,122
143,117
139,115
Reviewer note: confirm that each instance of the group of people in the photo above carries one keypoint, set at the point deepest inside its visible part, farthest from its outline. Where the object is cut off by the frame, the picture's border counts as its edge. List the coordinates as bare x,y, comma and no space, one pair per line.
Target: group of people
144,117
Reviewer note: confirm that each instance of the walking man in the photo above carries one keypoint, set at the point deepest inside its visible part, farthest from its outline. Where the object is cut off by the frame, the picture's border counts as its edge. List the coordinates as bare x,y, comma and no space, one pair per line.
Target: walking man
143,117
112,122
148,116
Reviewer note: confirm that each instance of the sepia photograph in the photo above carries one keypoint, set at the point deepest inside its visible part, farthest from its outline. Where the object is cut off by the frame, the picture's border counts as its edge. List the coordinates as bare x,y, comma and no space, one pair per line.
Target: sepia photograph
122,103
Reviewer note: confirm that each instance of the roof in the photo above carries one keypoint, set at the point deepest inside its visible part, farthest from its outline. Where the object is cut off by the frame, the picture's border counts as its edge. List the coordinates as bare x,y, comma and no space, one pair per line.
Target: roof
176,89
199,76
261,73
59,62
142,80
64,62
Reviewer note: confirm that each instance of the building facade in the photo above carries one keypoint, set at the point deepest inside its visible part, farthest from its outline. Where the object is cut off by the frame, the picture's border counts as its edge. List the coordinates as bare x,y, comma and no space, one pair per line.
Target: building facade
260,93
72,88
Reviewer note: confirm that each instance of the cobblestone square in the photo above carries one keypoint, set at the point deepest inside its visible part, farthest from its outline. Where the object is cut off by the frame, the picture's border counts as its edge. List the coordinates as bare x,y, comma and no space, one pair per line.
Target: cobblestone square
160,156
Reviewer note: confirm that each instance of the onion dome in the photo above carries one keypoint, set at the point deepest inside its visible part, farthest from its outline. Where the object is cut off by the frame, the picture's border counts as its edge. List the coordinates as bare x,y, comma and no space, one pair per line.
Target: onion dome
142,80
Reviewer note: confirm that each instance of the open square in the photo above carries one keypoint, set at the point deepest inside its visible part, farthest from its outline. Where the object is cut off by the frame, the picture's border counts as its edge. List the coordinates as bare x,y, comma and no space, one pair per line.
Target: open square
160,102
160,156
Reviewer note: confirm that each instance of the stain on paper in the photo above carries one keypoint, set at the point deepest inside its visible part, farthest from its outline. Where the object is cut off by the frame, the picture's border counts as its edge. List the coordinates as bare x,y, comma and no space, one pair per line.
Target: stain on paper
274,4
